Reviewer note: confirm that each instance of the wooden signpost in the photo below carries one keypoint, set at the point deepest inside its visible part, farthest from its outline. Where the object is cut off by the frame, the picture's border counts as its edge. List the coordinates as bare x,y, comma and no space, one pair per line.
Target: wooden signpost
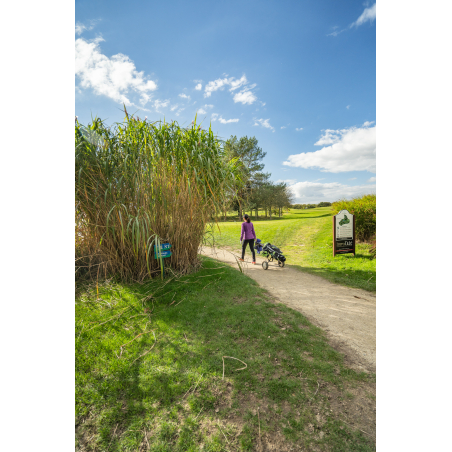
162,252
343,233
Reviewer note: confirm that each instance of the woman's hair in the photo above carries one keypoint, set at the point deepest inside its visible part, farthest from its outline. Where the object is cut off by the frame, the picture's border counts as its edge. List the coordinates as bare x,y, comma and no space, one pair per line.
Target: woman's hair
247,218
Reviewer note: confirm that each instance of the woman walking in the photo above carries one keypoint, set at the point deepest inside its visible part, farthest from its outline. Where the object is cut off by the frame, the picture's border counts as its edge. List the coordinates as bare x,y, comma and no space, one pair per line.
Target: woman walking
248,236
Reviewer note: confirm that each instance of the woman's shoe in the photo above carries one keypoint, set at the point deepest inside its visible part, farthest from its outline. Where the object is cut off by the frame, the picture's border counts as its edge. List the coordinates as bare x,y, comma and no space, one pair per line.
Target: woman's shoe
241,260
254,263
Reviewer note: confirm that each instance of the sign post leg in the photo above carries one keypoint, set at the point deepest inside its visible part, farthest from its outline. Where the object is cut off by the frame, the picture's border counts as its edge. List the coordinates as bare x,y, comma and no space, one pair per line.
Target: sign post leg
334,236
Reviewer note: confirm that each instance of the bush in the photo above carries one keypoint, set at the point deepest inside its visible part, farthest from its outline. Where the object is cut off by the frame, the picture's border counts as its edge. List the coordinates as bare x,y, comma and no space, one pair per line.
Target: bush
373,250
138,184
365,210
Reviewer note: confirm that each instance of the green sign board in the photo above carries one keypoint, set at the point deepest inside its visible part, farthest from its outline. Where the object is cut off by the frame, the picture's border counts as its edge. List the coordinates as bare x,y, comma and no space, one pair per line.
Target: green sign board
162,251
343,233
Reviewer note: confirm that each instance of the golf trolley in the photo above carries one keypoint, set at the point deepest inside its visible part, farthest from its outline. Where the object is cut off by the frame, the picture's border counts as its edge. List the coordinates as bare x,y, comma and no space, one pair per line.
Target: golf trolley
272,253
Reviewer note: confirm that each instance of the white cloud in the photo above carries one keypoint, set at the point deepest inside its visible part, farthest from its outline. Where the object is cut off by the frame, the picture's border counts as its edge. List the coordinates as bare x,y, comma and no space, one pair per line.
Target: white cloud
329,137
347,107
353,178
352,149
368,123
178,112
372,179
113,77
214,86
283,127
299,129
315,192
158,104
368,15
245,96
174,107
220,83
263,123
184,96
198,87
203,110
263,104
216,116
80,28
235,84
227,121
335,33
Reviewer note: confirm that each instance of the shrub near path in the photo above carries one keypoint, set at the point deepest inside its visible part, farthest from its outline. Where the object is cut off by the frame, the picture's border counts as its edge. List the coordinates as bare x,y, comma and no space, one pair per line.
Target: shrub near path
149,371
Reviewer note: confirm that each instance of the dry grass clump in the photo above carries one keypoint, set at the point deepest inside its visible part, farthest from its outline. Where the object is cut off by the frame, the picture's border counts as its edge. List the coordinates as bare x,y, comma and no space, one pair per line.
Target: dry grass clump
139,184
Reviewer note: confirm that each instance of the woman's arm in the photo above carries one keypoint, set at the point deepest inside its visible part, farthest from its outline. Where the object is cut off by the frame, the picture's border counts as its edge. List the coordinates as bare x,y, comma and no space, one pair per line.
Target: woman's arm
241,234
252,226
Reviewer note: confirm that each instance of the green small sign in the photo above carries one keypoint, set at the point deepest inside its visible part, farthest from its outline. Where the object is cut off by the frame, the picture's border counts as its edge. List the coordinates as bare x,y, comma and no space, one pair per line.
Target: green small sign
162,252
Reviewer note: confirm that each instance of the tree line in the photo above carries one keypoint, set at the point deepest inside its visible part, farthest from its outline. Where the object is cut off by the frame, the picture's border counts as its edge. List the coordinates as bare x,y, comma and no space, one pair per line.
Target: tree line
310,206
254,190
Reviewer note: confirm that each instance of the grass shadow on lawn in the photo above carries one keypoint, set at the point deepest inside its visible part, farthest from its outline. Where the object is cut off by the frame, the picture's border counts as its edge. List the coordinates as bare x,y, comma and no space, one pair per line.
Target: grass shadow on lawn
174,398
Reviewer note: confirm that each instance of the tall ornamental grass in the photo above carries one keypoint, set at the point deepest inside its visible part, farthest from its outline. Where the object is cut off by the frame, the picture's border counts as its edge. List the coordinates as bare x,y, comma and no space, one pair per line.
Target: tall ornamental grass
365,210
139,184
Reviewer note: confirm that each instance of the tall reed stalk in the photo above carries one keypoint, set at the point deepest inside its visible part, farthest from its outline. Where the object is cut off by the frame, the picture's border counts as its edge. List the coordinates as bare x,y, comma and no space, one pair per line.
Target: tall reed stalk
139,184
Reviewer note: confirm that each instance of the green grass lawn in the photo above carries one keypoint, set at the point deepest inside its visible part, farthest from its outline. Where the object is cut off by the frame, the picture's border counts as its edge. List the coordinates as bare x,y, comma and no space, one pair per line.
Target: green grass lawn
306,239
149,371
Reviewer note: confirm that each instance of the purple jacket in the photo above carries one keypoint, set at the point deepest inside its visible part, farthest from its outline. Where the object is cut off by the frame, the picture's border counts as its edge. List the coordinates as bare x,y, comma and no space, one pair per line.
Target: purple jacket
247,231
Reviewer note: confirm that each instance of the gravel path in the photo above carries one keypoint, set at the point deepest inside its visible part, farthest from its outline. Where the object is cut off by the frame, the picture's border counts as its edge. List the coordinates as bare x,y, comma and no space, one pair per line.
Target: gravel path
347,315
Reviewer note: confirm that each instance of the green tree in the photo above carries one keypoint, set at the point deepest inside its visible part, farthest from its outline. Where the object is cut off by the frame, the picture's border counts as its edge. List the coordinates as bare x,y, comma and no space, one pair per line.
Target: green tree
268,197
247,151
283,196
257,194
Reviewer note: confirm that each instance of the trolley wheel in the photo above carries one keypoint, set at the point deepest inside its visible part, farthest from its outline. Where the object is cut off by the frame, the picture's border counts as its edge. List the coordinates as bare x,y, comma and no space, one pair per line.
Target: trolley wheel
281,263
265,265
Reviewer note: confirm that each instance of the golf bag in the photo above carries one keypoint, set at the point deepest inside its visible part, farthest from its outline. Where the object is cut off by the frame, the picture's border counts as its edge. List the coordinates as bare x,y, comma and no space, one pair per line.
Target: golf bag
273,252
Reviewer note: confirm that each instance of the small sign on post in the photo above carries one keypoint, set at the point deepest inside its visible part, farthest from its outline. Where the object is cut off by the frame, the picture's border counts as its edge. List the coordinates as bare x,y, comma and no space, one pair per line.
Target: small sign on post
343,233
162,252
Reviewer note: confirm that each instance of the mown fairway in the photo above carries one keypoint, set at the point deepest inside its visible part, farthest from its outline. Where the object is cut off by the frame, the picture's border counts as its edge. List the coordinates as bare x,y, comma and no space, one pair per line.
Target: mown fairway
149,371
306,239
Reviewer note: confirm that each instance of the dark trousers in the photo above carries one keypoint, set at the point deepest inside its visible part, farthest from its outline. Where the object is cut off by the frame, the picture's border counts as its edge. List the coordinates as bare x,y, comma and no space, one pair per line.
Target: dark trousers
251,242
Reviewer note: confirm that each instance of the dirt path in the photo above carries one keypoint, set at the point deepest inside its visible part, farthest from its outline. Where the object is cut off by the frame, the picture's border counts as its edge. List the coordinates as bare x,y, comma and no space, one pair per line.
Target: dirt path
347,315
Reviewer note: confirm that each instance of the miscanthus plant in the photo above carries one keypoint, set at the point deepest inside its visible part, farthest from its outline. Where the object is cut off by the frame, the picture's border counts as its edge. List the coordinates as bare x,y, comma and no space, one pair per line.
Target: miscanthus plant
138,184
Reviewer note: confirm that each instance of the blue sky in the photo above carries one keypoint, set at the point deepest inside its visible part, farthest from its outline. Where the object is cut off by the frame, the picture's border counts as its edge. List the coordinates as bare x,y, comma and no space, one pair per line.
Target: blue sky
298,75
